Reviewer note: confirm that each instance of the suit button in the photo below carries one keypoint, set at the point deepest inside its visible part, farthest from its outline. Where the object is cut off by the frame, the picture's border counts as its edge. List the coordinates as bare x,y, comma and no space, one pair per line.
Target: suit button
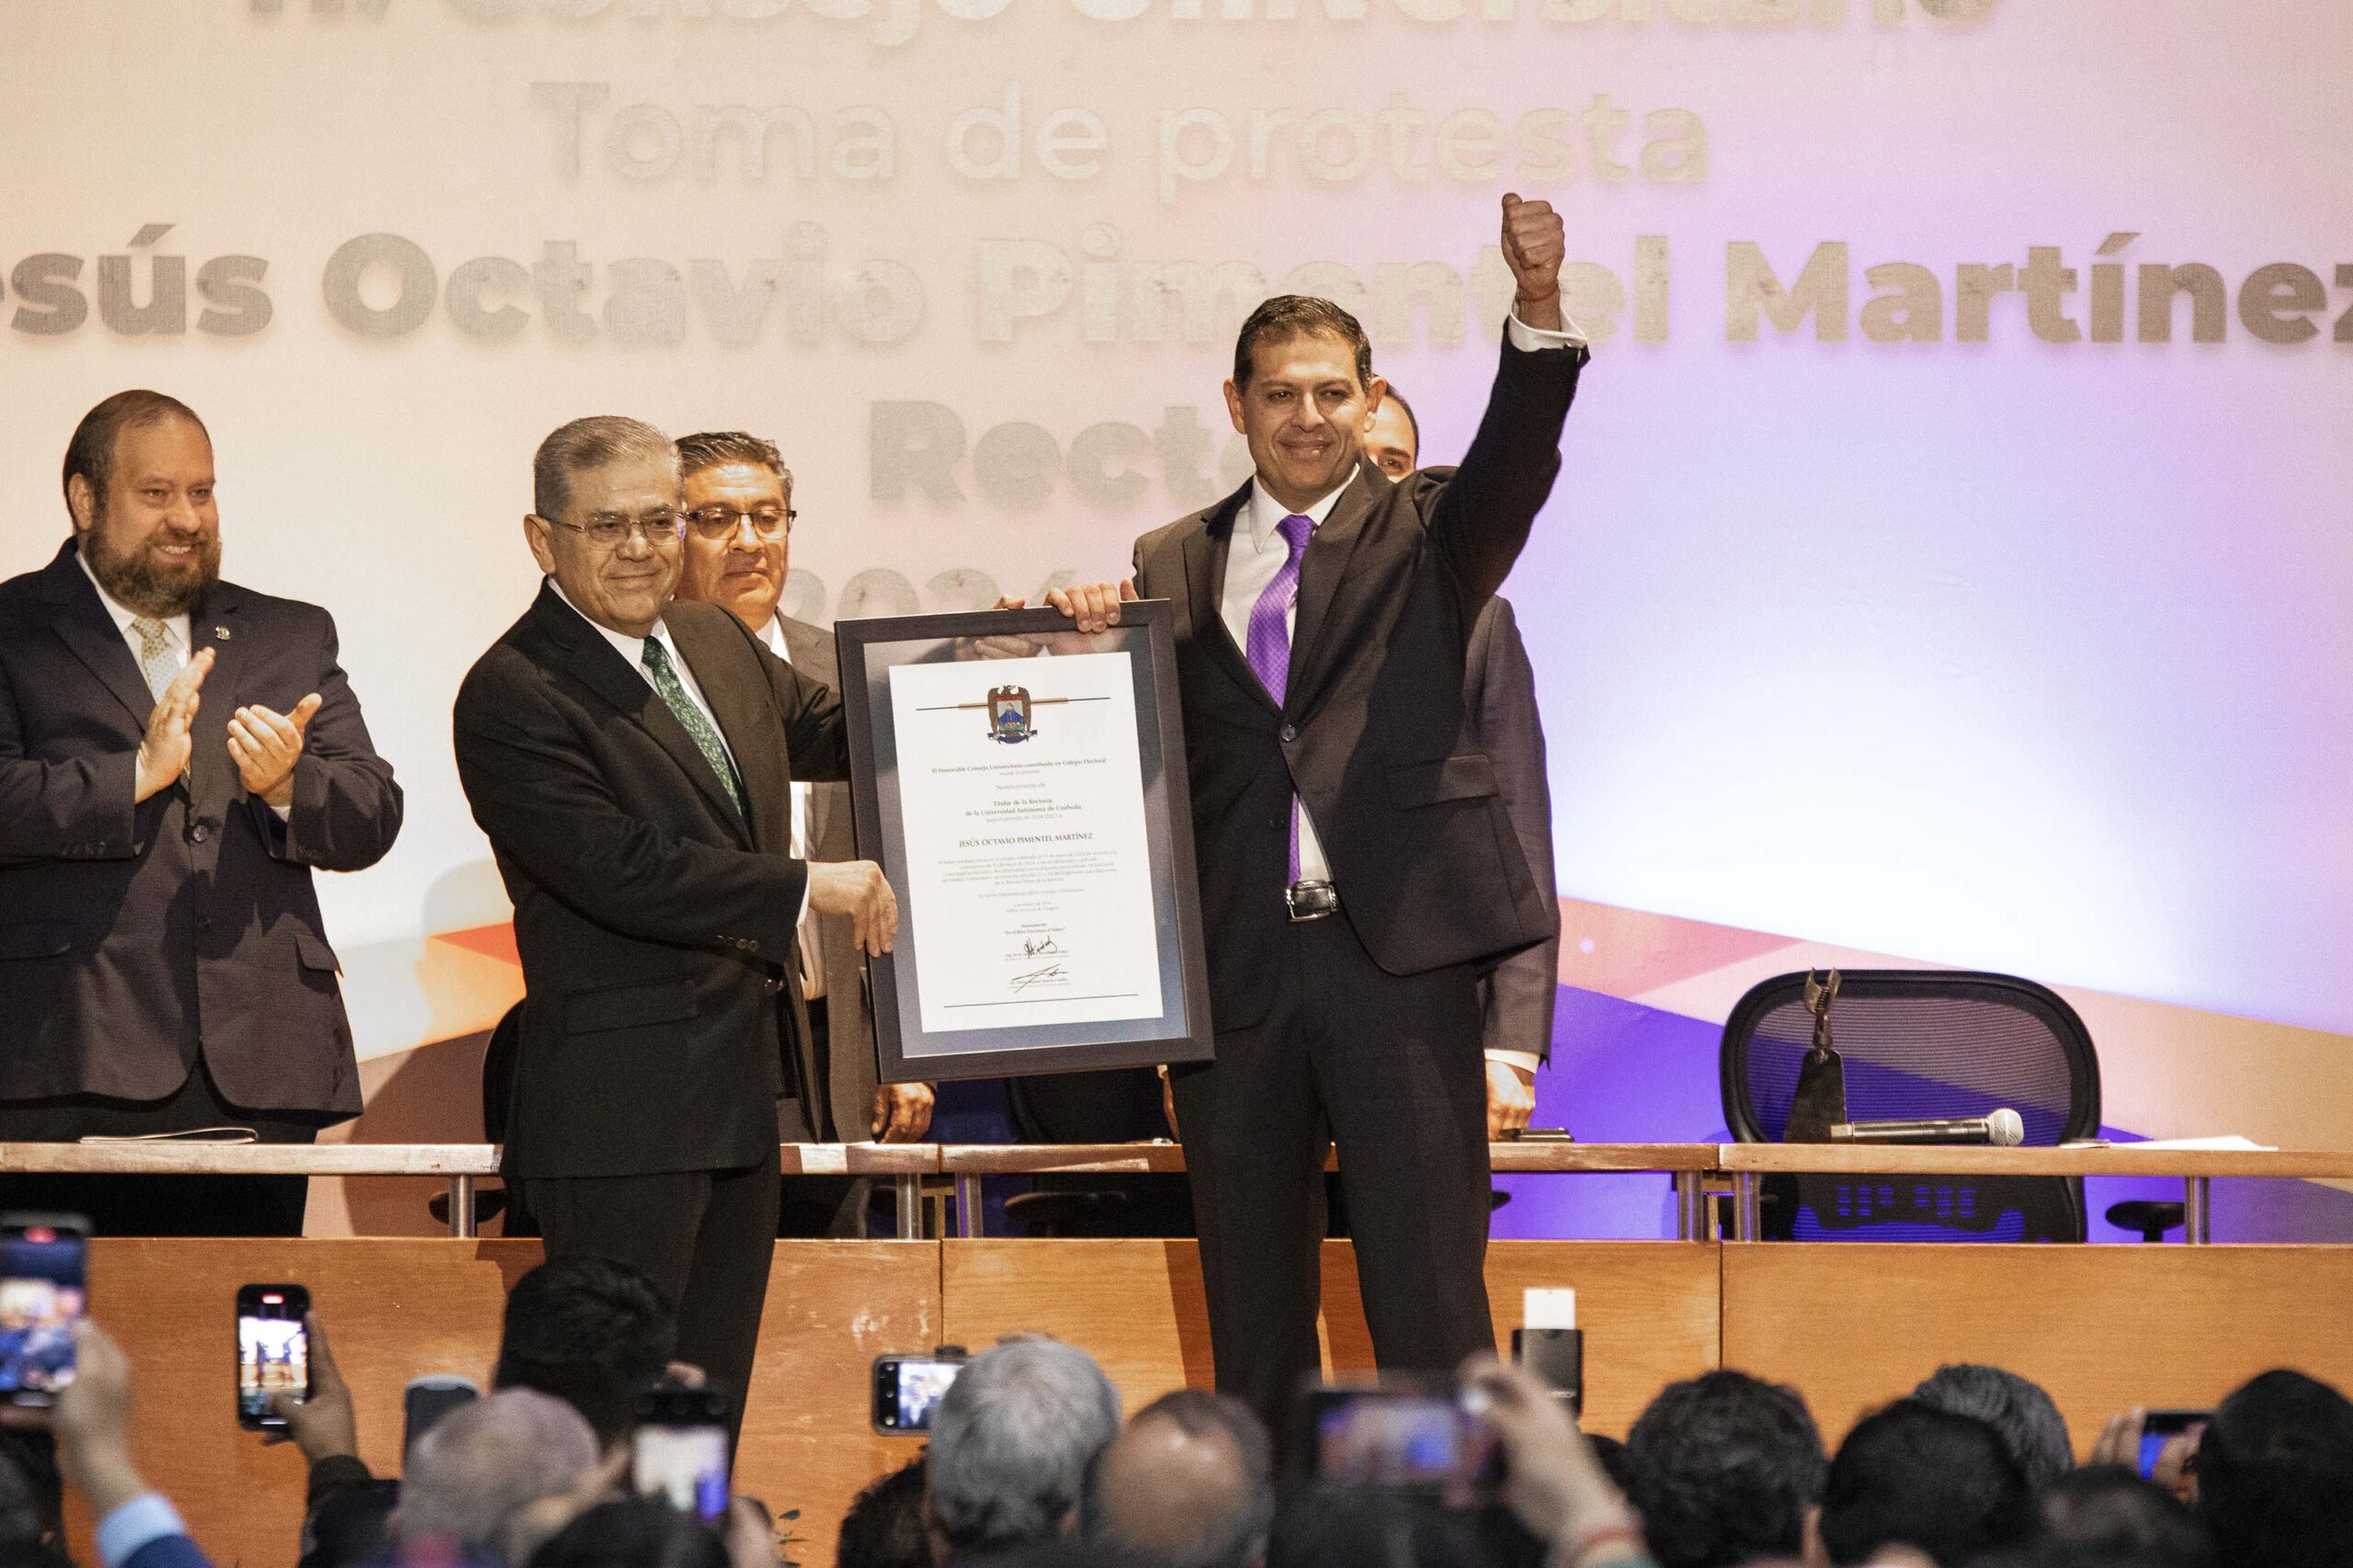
196,834
1290,733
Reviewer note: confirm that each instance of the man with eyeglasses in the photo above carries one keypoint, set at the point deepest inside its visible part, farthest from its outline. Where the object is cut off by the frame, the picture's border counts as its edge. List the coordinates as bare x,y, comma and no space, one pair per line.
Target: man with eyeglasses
631,761
738,494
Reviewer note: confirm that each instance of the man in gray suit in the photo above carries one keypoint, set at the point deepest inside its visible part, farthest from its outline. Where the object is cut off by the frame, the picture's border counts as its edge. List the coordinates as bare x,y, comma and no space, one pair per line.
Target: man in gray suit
737,496
1499,696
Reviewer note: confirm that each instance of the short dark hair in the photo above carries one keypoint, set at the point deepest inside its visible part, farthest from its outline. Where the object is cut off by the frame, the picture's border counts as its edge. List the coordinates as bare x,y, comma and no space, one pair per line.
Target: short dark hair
638,1532
2275,1473
1725,1468
885,1526
90,453
592,1333
584,444
2106,1510
1298,315
2024,1416
1413,423
1938,1482
709,449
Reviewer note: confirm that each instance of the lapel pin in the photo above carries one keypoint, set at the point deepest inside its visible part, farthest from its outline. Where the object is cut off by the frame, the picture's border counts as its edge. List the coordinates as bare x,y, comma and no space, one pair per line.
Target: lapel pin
221,634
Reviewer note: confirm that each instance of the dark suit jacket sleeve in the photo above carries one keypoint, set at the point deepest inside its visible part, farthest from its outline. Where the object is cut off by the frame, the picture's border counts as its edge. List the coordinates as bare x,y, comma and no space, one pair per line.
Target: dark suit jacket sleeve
1481,517
168,1552
546,808
346,809
76,810
817,738
1520,992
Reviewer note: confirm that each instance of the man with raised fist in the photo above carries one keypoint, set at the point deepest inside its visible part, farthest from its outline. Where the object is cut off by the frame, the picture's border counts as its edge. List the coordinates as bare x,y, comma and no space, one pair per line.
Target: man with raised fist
1358,870
178,754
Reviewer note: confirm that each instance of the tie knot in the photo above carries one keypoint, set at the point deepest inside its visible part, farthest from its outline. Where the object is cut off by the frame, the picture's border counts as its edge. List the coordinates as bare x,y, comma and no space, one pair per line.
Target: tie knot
1295,529
152,632
656,656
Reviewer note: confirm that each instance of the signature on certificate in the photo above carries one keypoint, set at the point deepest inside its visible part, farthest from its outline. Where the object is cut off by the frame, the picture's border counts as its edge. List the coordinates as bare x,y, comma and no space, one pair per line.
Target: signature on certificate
1037,947
1053,971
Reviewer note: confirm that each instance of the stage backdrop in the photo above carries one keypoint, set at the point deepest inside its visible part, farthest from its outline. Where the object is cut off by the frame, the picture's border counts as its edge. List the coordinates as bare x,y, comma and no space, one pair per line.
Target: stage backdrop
1949,560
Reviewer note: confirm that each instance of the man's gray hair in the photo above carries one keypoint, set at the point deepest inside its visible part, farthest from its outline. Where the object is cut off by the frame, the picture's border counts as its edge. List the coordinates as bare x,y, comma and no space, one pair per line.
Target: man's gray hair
1011,1443
590,443
470,1476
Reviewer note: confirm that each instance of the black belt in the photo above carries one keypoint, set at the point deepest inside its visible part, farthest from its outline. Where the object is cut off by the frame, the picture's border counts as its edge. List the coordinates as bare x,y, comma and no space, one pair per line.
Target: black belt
1311,901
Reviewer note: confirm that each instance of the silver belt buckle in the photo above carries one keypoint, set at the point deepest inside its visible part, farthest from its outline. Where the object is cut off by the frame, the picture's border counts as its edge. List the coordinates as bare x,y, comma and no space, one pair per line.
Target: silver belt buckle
1311,901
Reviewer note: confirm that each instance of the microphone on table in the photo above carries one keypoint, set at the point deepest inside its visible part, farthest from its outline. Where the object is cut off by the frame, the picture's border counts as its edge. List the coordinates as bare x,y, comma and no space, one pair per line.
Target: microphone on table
2001,1128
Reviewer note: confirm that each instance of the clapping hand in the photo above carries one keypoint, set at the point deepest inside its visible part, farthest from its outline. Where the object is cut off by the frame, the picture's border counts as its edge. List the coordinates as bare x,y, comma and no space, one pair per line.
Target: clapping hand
266,745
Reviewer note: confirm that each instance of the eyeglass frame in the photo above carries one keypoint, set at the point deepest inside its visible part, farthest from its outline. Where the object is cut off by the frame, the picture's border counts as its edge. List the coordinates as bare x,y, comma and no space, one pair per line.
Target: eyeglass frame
631,527
737,516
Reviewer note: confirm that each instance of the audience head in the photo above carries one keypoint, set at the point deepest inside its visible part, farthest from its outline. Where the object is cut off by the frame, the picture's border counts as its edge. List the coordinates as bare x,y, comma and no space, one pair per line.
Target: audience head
474,1472
1393,439
1303,385
637,1532
2108,1511
1010,1444
604,520
2275,1474
1189,1483
737,495
1324,1525
1725,1468
884,1528
139,487
1915,1476
2021,1414
592,1333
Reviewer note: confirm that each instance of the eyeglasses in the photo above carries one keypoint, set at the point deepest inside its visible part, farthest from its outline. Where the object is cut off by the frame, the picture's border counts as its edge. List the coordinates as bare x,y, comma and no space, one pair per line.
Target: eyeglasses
719,522
609,530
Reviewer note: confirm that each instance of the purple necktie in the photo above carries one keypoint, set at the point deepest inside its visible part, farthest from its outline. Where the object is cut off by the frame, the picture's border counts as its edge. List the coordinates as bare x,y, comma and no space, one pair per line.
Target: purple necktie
1269,642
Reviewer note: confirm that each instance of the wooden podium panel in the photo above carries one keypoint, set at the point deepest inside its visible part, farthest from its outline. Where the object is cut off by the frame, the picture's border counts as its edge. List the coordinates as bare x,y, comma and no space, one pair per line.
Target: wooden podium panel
1650,1309
1855,1324
394,1309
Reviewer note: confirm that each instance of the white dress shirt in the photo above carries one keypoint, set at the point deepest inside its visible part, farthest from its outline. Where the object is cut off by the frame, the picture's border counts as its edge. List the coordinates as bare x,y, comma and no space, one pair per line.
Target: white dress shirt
633,650
1255,555
177,639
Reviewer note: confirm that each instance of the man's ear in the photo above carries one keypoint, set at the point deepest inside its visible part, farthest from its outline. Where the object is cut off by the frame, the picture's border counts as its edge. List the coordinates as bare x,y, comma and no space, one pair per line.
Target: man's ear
1234,405
537,534
82,502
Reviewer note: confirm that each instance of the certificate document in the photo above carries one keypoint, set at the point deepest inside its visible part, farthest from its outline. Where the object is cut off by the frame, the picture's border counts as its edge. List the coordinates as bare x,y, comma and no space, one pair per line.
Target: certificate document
1028,870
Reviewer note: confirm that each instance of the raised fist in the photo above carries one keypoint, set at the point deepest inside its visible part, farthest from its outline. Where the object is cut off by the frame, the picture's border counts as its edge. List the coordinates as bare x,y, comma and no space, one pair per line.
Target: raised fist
1534,243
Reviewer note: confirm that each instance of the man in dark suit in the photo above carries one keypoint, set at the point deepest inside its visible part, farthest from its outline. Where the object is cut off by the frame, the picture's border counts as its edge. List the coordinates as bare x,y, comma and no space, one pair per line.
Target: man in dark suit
1358,869
178,754
738,501
1499,696
631,761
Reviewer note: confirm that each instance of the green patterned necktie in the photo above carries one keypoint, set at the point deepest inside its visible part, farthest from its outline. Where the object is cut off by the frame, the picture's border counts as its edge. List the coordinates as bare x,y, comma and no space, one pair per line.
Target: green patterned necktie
705,734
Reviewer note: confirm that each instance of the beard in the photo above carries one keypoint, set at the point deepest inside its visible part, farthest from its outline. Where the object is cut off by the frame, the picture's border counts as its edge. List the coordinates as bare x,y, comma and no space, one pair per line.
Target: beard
140,579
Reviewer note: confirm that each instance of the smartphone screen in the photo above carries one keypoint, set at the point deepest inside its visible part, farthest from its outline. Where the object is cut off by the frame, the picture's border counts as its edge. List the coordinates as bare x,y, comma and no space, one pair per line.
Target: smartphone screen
428,1399
273,1350
43,1291
2162,1426
1412,1439
908,1389
685,1464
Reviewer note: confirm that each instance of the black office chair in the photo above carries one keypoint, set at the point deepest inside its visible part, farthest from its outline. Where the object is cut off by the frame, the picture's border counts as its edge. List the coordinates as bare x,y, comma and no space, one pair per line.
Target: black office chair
498,1066
1117,1106
1918,1044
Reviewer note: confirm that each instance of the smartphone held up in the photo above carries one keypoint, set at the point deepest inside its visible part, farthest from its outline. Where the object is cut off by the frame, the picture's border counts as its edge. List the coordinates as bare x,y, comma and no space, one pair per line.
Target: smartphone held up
273,1352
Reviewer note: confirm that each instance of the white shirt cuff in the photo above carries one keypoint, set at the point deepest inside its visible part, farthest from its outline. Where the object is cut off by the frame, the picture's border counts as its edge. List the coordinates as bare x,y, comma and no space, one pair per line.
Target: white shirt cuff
1526,1060
1529,339
802,914
147,1517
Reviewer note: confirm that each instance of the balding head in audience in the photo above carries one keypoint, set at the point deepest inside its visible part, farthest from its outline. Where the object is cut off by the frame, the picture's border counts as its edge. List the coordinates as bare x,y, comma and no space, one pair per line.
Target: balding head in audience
1190,1483
470,1477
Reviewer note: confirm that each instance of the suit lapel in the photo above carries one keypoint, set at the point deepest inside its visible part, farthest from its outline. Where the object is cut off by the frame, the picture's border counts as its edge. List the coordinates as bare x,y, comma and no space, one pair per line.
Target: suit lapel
1321,572
597,665
85,628
215,623
812,653
714,649
1206,550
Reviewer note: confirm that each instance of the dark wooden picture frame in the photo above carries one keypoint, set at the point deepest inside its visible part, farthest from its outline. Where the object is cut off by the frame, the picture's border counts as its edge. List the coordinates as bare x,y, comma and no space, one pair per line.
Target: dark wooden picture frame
905,1052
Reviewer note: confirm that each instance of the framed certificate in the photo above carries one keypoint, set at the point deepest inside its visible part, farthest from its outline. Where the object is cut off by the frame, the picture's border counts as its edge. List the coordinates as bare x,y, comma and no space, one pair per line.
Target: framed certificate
1023,789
